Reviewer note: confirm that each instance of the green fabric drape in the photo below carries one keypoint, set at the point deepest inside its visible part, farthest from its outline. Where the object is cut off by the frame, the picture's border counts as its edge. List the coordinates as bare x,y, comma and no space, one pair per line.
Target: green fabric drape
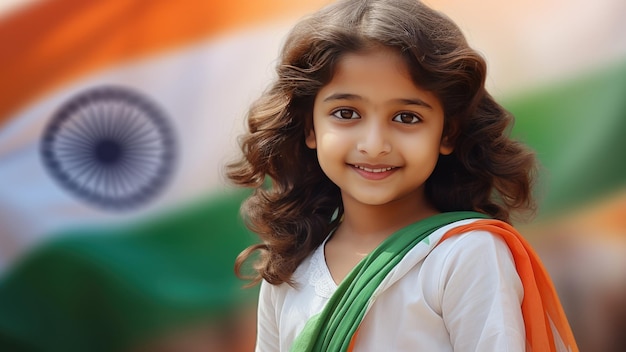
333,328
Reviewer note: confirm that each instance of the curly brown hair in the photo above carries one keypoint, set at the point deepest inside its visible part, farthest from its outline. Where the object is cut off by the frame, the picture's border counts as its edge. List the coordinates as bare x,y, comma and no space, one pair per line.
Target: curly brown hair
294,206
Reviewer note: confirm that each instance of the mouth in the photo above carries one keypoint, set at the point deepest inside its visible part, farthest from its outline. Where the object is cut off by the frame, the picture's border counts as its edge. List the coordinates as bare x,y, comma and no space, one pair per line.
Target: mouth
375,170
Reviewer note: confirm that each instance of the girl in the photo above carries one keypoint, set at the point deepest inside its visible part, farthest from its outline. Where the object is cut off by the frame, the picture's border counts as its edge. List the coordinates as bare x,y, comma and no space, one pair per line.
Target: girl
392,179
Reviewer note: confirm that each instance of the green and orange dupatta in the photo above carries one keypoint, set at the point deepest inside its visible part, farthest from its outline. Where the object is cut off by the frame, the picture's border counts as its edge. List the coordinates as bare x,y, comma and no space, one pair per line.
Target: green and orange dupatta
336,327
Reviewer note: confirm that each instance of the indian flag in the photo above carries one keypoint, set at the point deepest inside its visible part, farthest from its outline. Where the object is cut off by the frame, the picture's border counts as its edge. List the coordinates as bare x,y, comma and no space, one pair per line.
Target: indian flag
116,118
175,78
97,255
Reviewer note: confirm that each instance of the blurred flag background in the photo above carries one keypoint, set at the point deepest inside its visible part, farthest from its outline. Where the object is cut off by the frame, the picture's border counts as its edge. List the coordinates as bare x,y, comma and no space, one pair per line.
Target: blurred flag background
98,256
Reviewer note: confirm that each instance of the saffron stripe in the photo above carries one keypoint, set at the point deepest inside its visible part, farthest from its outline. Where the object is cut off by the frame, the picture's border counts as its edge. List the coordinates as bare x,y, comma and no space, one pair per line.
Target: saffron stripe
50,43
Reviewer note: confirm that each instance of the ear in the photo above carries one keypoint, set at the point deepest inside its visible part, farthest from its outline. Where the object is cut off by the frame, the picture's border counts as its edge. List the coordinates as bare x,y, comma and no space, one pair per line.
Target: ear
310,139
446,147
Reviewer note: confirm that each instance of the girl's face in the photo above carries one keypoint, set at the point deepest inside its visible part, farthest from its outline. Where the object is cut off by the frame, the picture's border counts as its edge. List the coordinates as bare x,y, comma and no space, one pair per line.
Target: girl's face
378,136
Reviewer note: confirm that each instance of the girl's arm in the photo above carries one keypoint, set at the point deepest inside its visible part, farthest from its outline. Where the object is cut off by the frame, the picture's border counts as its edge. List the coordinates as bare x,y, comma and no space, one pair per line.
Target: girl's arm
481,295
267,327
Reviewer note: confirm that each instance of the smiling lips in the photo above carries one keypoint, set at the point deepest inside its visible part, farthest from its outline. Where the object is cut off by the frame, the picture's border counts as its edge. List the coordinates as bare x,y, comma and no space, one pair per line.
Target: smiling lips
374,172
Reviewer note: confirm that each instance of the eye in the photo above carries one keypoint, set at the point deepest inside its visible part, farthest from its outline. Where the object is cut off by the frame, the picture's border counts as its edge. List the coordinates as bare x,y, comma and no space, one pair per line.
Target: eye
346,114
408,118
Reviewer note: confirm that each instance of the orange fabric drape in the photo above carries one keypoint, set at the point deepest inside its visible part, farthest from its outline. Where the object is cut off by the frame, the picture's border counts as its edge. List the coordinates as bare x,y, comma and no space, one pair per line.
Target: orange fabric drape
541,306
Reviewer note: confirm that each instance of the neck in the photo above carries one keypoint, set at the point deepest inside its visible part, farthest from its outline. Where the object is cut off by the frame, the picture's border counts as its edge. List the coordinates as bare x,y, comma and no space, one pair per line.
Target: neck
377,222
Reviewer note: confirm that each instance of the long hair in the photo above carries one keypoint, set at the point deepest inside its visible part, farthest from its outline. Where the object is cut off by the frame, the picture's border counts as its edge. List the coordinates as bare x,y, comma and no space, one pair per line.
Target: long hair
294,205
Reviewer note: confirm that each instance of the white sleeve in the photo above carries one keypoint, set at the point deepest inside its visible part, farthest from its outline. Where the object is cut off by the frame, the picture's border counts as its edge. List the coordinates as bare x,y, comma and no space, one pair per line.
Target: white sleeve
481,295
267,327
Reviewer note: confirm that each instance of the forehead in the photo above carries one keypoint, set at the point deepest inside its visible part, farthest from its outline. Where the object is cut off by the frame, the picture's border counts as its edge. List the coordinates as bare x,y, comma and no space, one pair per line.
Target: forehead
379,74
378,60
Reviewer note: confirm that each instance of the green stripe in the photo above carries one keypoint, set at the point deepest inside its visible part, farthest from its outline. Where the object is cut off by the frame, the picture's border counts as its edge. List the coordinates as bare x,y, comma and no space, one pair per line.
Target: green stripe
105,290
577,128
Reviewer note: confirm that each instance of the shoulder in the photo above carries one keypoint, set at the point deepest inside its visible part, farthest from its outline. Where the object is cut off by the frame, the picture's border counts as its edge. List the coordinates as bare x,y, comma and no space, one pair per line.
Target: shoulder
307,271
474,246
478,253
478,259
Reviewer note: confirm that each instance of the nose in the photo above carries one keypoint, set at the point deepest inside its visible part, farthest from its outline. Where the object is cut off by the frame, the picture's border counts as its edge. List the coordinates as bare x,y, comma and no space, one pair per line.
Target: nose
374,139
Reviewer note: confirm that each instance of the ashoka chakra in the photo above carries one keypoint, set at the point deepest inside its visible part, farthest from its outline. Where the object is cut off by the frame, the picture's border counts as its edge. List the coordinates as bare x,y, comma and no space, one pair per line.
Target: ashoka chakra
110,146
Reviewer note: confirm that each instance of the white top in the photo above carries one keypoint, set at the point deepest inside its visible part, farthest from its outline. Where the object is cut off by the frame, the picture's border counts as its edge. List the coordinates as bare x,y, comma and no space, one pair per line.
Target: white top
462,295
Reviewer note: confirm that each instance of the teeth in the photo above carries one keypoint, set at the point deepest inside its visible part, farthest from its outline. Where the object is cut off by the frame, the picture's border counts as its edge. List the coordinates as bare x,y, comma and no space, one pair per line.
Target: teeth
374,170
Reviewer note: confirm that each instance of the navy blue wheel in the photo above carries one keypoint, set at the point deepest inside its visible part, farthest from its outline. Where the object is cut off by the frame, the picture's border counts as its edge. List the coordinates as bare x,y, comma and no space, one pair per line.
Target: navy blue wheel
110,146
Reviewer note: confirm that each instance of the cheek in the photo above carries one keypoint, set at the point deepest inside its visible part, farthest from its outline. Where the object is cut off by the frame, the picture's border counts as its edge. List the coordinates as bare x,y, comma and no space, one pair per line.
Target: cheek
331,148
328,139
422,153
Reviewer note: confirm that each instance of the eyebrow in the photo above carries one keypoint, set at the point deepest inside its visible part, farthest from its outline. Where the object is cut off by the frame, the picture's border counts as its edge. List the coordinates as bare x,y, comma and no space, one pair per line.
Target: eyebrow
403,101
